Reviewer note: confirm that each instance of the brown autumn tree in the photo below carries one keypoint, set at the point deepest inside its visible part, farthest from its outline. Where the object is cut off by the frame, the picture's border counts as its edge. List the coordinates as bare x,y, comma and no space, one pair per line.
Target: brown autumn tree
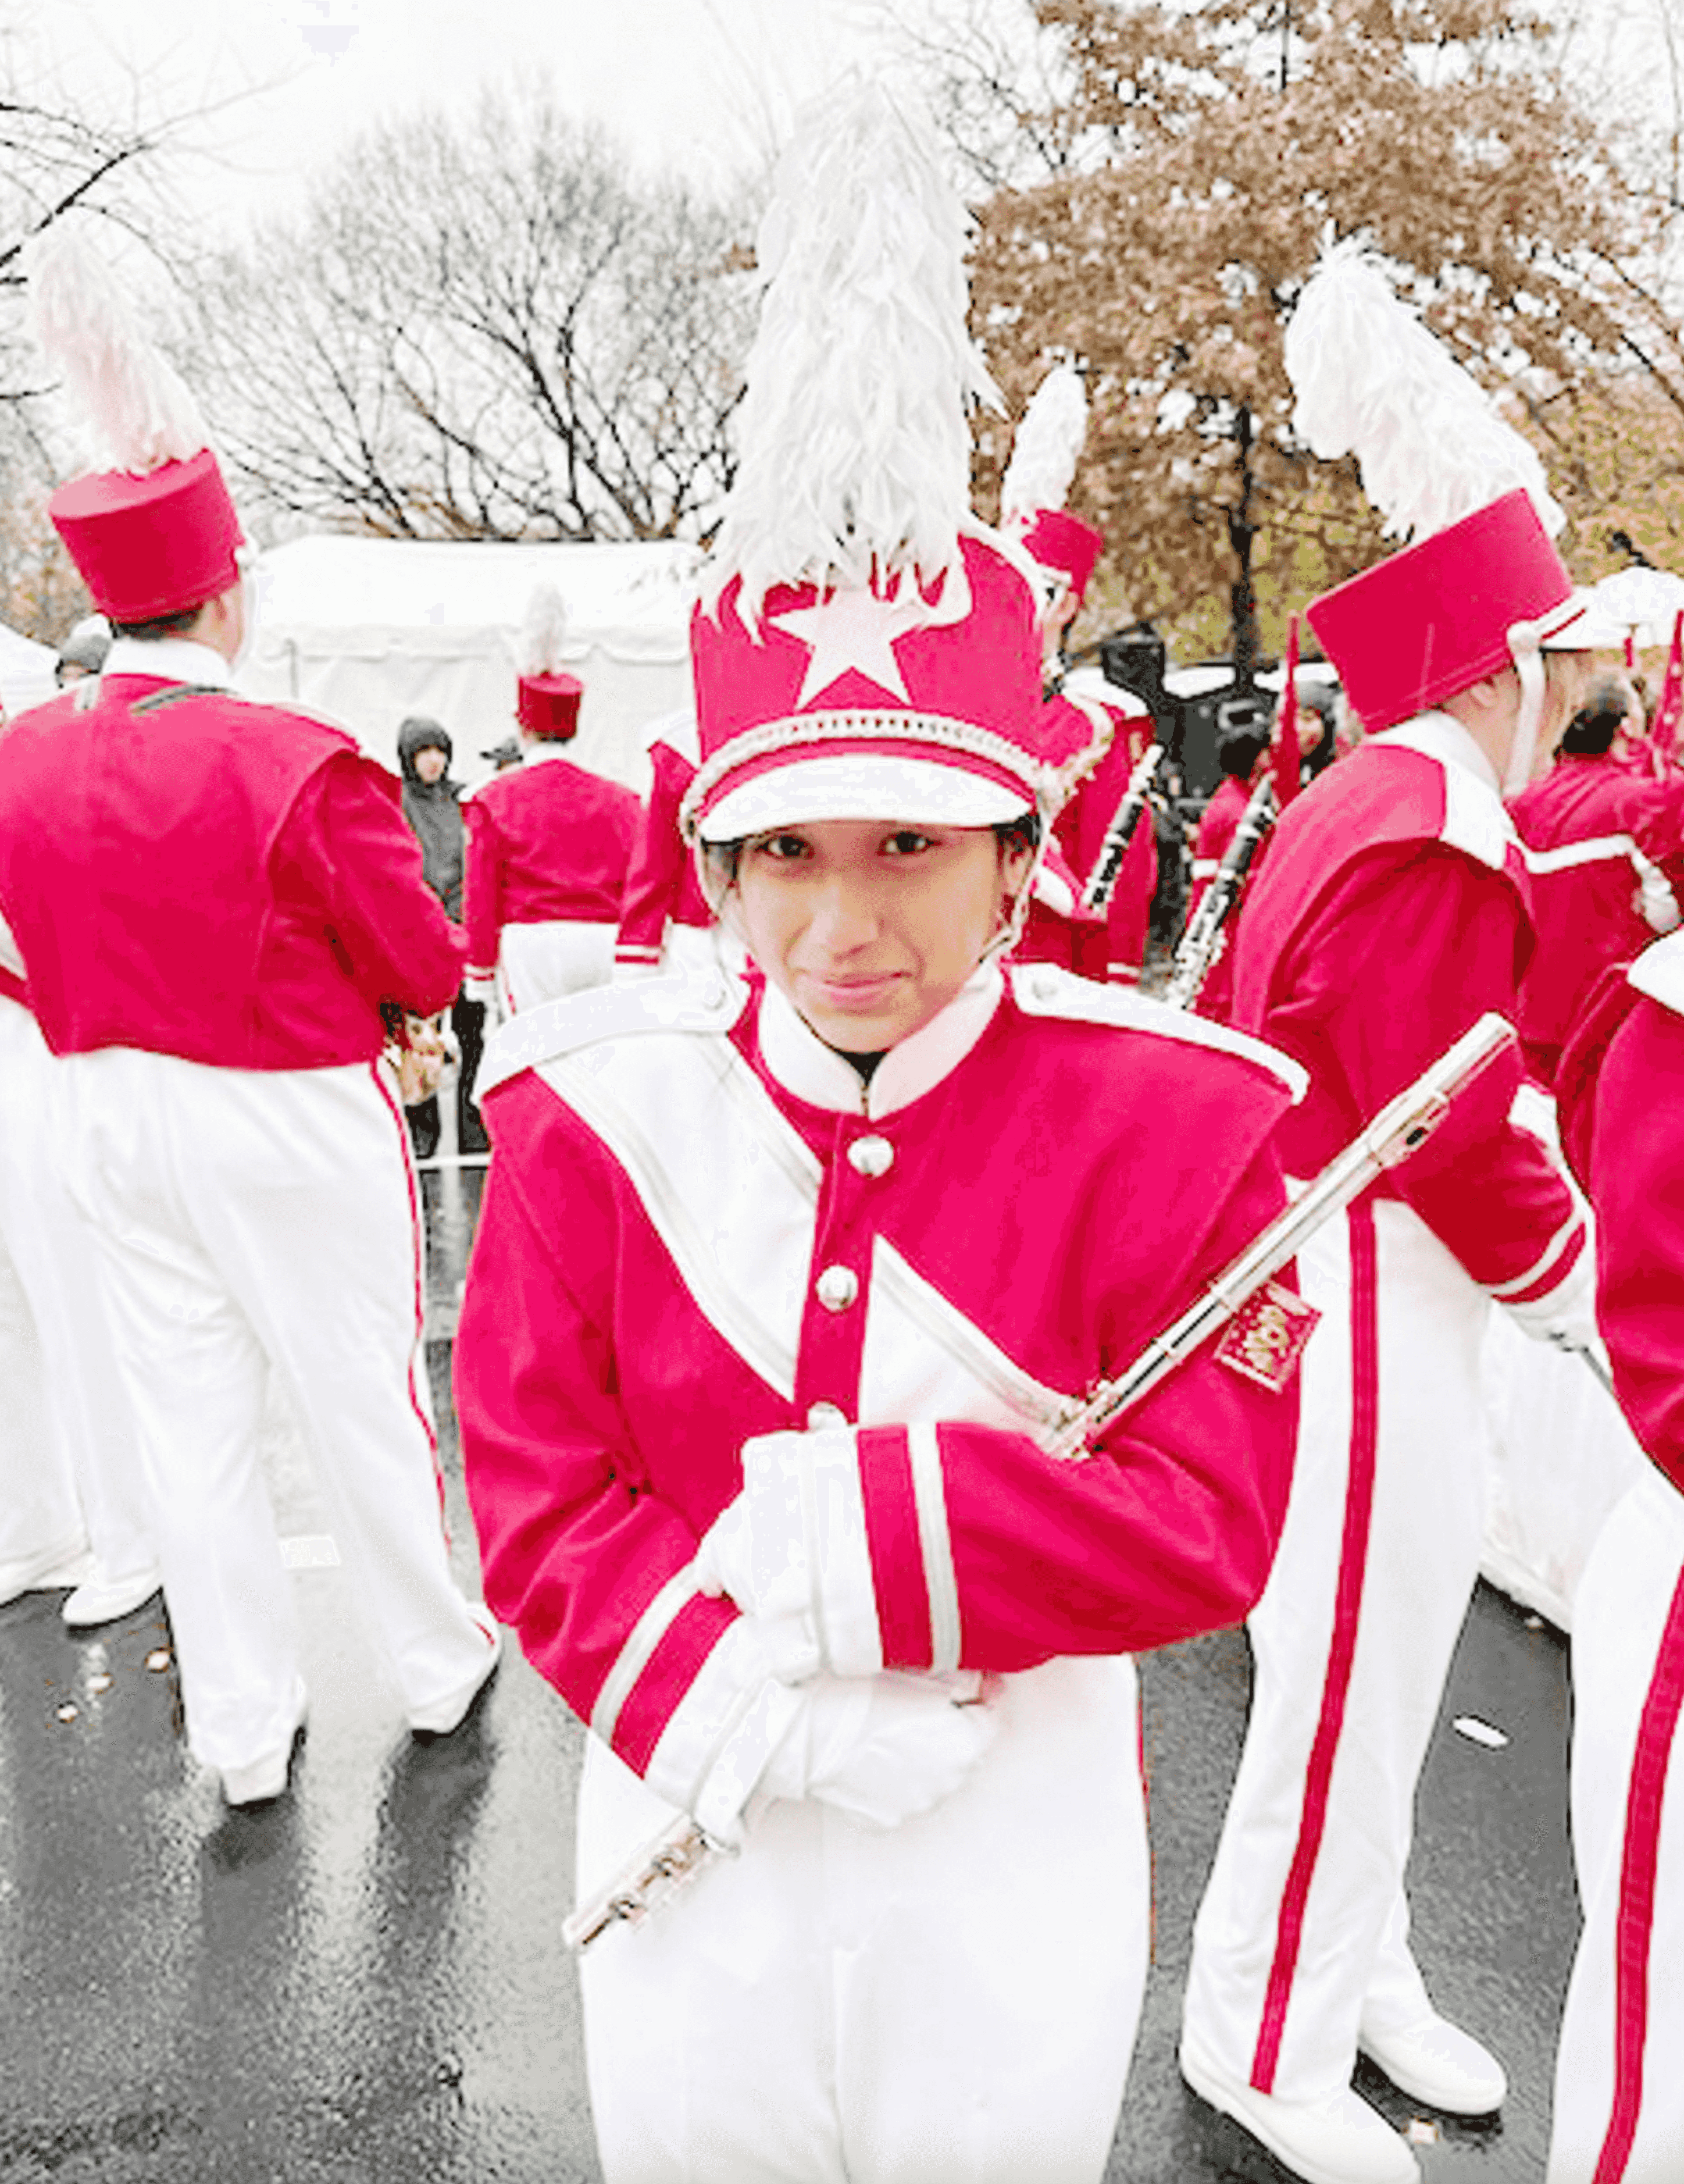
1163,200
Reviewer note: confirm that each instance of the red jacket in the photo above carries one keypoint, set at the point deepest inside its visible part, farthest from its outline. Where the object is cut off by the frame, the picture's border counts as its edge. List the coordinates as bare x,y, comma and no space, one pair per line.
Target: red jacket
662,888
1585,824
1618,1098
546,841
1112,946
678,1251
189,874
1393,912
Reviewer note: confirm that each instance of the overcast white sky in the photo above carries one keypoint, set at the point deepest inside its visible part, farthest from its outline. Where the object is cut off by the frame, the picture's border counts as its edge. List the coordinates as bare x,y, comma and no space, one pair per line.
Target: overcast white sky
706,84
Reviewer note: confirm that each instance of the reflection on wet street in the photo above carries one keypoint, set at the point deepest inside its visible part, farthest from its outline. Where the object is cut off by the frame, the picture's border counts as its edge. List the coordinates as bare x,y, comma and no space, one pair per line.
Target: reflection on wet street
365,1981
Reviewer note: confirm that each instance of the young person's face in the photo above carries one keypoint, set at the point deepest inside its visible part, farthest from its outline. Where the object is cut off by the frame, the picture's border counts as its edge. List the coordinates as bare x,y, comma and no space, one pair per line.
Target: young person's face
430,763
869,927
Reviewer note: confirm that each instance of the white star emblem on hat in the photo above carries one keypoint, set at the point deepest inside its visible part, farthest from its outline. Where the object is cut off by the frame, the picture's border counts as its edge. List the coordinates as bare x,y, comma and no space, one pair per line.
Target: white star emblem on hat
854,629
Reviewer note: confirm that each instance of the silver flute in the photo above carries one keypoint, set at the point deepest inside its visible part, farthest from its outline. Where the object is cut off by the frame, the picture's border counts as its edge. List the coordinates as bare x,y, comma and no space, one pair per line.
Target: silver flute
1400,1128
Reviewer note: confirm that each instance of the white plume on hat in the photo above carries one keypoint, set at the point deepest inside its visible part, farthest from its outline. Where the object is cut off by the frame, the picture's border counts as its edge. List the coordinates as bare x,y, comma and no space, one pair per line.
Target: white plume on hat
1372,381
543,632
1046,446
854,446
136,403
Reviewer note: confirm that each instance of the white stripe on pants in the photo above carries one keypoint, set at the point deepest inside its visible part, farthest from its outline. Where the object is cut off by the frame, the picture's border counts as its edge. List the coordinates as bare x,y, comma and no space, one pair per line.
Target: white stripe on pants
247,1217
1618,2058
1299,1931
953,2001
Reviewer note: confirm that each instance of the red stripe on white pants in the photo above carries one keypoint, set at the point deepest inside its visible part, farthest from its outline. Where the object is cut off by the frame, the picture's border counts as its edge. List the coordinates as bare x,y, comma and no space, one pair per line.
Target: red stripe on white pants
1346,1610
1637,1871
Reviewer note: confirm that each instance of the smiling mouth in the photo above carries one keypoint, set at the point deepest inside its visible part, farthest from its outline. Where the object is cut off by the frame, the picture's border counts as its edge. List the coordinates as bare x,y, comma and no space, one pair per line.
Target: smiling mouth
856,991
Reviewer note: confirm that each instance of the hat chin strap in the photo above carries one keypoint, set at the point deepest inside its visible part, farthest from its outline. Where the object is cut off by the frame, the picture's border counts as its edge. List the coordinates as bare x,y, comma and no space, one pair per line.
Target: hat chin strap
1529,665
1010,930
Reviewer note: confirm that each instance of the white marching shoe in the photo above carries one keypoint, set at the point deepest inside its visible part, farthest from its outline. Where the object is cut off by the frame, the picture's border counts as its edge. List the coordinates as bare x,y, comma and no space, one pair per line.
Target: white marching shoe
1436,2062
448,1712
100,1599
1339,2140
262,1780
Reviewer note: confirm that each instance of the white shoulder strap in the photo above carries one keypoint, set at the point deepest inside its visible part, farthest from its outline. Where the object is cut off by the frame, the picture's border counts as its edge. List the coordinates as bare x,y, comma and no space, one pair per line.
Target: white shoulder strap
709,1002
1042,990
1658,972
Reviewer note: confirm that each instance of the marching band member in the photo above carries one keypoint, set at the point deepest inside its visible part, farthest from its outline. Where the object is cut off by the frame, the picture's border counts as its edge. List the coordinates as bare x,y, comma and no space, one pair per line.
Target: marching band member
1618,2097
549,843
1392,912
665,922
777,1283
210,899
1605,847
1111,945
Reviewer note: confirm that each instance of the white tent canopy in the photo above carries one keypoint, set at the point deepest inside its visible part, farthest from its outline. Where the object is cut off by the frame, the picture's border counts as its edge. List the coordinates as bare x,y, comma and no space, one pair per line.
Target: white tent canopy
369,631
27,677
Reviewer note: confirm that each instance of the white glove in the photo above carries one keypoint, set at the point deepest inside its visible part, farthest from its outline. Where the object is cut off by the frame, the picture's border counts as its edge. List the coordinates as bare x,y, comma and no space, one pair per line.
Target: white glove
791,1552
879,1748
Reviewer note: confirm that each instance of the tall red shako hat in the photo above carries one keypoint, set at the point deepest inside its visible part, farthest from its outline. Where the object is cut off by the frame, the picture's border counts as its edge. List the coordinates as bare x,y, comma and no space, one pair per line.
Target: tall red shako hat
1482,588
155,533
547,700
864,648
1045,452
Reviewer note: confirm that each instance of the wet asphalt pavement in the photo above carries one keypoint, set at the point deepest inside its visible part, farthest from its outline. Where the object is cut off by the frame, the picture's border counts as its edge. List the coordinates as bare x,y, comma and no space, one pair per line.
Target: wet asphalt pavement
365,1981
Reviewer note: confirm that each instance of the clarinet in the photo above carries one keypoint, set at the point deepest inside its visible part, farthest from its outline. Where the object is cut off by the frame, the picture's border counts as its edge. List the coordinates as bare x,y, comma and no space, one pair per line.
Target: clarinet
1202,942
1121,832
1269,1346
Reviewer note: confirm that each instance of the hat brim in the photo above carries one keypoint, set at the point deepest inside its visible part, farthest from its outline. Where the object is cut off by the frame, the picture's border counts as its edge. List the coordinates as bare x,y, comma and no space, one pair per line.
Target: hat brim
914,791
1582,623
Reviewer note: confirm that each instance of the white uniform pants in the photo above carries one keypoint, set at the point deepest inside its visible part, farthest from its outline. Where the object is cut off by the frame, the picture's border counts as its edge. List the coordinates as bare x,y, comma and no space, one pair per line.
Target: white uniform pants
953,2001
245,1218
53,1252
1303,1928
1619,2084
41,1518
537,963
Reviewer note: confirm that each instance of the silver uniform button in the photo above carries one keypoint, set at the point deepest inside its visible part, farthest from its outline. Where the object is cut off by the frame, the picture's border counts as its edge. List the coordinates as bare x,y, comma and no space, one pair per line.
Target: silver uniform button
825,1414
871,1157
836,1287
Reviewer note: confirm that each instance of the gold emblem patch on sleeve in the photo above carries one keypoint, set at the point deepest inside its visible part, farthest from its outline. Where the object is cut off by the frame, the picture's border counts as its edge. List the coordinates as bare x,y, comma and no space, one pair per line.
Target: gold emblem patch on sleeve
1267,1336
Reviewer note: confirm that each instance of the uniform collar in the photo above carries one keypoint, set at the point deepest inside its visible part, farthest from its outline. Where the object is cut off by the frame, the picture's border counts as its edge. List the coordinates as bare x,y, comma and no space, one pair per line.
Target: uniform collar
805,1066
1442,736
168,660
544,750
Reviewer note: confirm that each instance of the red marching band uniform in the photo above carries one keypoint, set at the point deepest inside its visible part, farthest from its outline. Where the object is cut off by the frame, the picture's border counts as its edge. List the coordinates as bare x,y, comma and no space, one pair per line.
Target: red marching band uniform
724,1276
1605,852
1619,2115
210,900
1109,943
1393,909
665,922
548,849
